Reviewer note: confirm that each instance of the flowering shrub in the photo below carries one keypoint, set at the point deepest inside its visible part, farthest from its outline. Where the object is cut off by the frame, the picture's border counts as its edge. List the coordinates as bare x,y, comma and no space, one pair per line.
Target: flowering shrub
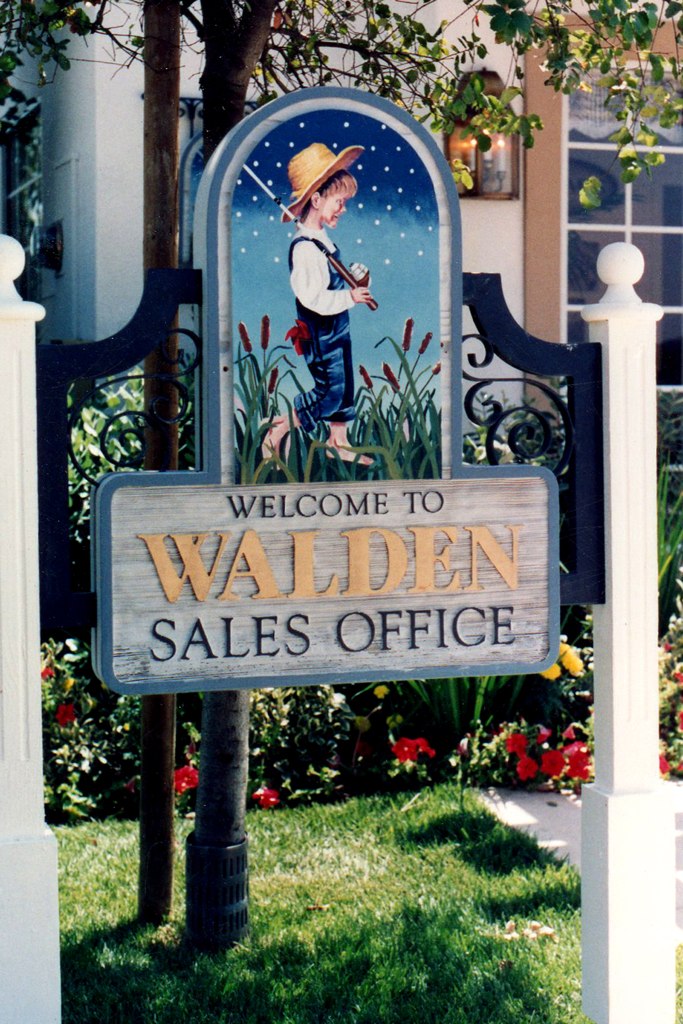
90,738
296,739
671,698
517,755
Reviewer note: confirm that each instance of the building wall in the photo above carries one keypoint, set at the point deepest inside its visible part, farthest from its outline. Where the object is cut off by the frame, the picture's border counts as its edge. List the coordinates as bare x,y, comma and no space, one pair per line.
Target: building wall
493,230
93,164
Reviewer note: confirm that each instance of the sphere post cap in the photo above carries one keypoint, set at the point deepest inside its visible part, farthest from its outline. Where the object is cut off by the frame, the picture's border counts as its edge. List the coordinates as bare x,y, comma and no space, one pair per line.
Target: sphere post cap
620,263
12,263
619,266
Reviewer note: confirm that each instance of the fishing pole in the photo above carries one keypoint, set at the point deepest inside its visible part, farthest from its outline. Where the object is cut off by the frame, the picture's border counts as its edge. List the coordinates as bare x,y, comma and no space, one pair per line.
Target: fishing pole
346,275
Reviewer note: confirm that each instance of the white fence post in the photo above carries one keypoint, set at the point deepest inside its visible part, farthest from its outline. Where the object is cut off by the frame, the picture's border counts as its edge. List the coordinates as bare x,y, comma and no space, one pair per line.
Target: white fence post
29,920
628,851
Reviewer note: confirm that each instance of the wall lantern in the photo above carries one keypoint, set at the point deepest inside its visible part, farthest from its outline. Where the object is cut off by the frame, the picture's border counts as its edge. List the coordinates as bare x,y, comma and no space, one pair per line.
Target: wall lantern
496,171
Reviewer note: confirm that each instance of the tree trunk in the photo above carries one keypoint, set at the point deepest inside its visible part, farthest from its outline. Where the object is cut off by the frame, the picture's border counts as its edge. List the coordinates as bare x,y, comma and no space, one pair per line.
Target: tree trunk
221,799
233,48
232,51
160,233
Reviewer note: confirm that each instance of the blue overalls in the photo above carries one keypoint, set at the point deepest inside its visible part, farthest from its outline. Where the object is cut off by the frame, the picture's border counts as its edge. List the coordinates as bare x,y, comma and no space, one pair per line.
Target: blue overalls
328,357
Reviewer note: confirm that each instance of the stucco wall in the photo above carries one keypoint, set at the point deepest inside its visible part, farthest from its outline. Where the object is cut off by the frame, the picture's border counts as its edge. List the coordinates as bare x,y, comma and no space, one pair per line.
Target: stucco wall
92,152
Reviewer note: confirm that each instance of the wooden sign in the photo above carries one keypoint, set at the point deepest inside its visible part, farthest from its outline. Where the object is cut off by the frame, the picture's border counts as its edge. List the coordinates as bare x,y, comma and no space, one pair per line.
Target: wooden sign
333,532
322,583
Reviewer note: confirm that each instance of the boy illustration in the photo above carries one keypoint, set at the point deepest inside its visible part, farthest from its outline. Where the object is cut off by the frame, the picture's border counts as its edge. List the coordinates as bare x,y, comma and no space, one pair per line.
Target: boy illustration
321,185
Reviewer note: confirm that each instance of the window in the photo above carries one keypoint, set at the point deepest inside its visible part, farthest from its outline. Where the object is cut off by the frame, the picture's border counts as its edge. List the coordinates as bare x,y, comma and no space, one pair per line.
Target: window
23,195
647,213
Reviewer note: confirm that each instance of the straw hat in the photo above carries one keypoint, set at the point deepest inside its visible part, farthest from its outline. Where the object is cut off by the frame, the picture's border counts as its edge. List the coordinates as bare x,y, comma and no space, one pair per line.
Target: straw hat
310,169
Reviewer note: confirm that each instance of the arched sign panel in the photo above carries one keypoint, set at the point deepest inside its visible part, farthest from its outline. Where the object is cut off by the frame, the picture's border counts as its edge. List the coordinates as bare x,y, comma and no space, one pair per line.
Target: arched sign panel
333,533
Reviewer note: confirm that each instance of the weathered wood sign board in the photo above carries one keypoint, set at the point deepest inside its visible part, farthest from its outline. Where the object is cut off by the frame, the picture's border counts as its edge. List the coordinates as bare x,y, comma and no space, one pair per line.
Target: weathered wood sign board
333,533
327,582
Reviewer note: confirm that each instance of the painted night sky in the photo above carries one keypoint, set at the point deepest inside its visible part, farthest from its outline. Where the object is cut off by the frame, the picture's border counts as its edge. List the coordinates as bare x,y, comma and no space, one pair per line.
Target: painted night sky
391,226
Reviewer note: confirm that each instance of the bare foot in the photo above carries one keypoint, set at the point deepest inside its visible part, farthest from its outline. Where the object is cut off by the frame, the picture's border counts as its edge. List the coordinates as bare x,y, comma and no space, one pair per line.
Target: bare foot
347,454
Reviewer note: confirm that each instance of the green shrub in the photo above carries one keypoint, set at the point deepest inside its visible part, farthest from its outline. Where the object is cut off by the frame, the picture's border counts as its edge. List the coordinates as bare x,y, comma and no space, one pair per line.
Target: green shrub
671,696
296,735
91,738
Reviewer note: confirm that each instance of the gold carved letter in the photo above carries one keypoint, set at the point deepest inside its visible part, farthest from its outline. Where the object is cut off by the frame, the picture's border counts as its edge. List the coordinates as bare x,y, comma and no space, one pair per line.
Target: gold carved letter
304,567
506,565
257,568
188,546
427,558
360,561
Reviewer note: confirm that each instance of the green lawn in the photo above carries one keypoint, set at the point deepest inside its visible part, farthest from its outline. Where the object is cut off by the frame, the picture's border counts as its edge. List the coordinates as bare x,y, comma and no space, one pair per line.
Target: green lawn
378,910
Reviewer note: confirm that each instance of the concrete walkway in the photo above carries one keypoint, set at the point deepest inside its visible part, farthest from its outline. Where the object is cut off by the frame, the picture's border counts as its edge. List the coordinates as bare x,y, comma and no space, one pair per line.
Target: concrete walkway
555,821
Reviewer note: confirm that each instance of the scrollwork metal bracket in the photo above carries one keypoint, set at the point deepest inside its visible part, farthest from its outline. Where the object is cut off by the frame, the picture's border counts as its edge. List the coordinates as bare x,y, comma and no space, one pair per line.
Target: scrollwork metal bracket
561,429
63,605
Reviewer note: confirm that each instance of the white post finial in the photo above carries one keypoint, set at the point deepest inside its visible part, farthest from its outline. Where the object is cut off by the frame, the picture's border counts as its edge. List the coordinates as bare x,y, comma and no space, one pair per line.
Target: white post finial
628,851
29,918
620,266
12,263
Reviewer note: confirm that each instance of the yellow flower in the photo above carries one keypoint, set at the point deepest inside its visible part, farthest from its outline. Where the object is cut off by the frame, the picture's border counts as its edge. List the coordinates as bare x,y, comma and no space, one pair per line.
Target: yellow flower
571,661
362,723
554,672
380,692
68,683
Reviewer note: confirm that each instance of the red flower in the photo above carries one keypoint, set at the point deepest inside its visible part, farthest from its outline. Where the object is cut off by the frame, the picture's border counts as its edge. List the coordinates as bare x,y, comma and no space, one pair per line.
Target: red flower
516,743
266,797
298,335
678,676
363,748
552,763
47,673
409,750
424,748
544,735
569,733
680,720
578,761
185,778
526,768
664,766
65,714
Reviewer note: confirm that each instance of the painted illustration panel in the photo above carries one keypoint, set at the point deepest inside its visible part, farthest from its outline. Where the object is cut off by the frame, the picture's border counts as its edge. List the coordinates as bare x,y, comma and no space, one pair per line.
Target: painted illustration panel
336,305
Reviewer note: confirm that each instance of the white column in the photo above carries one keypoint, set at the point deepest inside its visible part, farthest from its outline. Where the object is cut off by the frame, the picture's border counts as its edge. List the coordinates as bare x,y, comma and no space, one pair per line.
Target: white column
29,920
628,850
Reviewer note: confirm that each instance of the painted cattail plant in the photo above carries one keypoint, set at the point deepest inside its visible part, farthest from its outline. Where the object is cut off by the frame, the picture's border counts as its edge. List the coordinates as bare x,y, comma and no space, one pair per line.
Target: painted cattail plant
244,335
265,332
397,423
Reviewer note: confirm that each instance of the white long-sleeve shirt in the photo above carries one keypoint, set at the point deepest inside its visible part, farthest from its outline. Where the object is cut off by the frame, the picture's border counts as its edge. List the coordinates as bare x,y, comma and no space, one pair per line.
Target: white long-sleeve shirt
310,276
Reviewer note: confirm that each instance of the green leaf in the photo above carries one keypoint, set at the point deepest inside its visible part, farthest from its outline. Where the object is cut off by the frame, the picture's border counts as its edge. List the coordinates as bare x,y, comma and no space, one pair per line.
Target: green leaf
646,137
589,194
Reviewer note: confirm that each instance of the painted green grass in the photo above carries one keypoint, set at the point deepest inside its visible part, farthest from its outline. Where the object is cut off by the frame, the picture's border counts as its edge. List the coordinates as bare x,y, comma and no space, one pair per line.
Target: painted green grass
377,911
